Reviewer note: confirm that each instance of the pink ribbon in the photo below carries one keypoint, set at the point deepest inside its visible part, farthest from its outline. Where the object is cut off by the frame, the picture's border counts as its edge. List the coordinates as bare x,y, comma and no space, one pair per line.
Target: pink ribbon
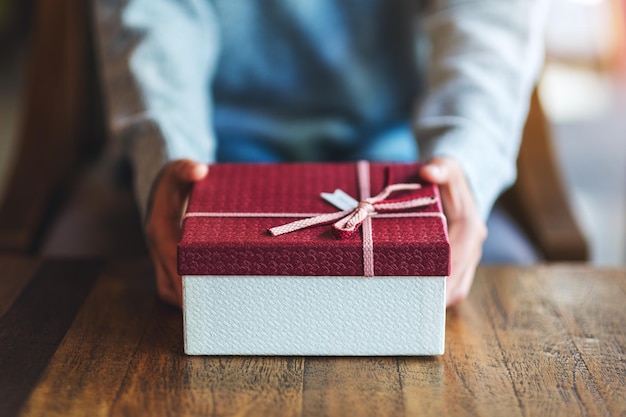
347,222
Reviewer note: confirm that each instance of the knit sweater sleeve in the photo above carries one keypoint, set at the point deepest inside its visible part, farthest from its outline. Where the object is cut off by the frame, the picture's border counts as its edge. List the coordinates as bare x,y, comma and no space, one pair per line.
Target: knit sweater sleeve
484,59
171,65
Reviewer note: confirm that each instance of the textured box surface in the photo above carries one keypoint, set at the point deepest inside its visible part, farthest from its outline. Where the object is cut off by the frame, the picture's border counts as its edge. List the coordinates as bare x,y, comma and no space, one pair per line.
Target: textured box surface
305,293
314,315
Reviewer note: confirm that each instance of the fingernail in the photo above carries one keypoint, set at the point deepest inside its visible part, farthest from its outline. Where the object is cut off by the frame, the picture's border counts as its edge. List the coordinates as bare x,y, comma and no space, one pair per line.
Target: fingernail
435,171
200,170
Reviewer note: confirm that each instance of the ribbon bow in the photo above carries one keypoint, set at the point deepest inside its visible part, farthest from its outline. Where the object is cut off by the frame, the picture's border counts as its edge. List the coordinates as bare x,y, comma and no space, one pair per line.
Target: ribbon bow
348,222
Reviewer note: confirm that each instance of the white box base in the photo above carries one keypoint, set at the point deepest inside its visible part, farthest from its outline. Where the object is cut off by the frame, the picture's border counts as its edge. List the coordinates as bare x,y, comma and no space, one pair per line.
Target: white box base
329,316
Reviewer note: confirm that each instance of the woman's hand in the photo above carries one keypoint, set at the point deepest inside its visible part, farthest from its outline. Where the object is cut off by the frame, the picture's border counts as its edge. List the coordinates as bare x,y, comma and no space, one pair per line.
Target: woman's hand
466,229
170,194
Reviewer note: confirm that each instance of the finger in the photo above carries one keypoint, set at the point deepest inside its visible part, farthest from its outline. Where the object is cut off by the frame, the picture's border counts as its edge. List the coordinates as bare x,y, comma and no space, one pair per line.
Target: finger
463,281
174,186
168,260
466,244
464,268
436,171
166,283
461,289
460,249
164,254
165,289
186,171
163,226
466,228
456,197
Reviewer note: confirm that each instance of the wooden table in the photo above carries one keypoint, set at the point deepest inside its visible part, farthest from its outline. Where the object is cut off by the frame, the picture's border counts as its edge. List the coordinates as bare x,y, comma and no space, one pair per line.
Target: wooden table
90,338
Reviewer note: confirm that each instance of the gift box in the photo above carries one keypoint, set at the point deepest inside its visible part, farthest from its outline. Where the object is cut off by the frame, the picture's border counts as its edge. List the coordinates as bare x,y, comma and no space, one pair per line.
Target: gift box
270,267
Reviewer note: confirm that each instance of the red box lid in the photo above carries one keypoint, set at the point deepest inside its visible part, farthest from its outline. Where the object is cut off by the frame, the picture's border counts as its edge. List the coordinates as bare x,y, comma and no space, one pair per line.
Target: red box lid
408,246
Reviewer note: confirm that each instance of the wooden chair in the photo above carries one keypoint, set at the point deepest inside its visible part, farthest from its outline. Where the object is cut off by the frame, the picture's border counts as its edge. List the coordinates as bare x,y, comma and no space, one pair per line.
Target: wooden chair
538,200
59,121
60,143
63,124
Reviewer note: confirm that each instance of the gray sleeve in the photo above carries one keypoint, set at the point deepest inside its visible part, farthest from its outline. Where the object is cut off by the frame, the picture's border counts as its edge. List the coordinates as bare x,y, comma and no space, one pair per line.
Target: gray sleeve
485,56
171,66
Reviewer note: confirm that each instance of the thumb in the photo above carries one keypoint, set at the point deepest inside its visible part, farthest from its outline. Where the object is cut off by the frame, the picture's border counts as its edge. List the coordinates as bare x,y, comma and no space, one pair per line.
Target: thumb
176,181
436,171
184,171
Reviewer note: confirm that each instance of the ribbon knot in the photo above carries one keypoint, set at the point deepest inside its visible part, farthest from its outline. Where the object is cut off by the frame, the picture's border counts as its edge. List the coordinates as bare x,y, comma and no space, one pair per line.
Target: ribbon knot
348,222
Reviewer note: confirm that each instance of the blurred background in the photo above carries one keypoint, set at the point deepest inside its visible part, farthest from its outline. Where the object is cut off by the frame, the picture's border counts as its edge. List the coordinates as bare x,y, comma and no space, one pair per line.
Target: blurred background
582,89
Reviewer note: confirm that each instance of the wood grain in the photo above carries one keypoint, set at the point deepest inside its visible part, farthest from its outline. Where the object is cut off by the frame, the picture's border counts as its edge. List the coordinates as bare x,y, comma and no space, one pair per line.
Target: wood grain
87,369
163,381
594,317
35,324
352,386
472,377
17,272
547,340
618,277
549,373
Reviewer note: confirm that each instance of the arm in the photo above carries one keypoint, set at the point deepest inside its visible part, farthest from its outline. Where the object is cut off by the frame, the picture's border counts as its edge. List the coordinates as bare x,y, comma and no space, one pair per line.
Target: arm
485,55
171,66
